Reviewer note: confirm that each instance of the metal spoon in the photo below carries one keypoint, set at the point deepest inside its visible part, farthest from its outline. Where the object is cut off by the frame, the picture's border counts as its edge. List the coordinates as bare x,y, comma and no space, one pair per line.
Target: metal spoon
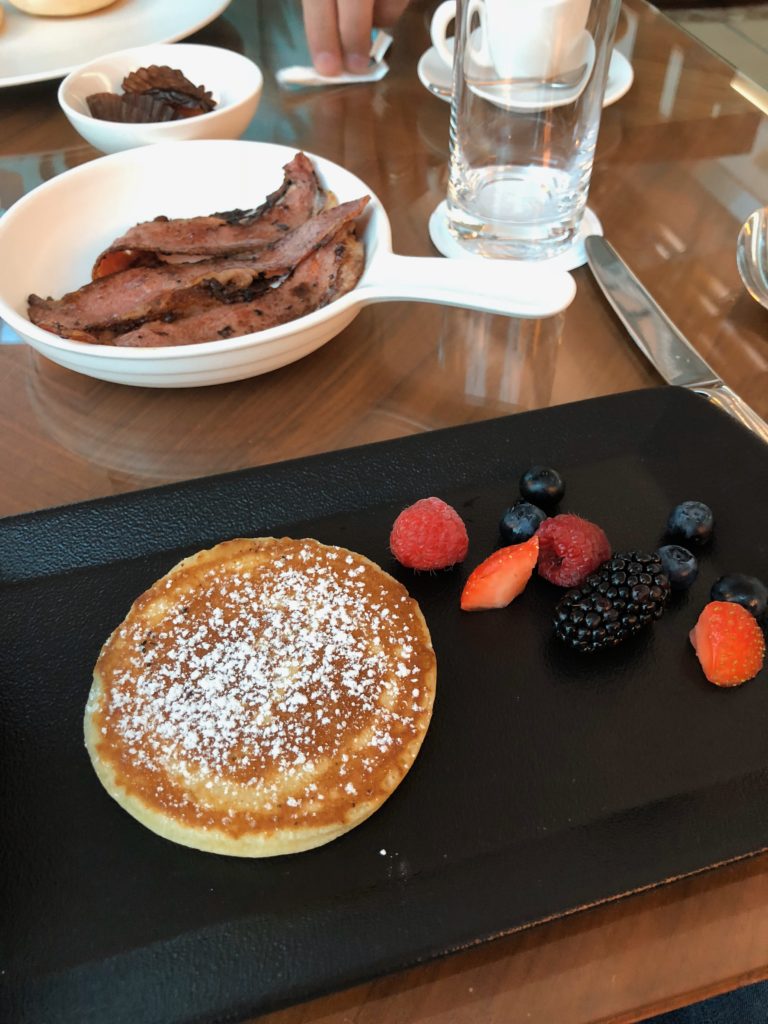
565,80
568,82
752,255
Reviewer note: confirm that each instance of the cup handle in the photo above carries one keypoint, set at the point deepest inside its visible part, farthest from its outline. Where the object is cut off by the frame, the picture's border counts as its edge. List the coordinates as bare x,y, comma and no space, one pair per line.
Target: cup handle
480,54
438,29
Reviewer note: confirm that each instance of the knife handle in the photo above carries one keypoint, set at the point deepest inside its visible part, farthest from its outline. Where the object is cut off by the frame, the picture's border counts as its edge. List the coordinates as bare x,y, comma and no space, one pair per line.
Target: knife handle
722,396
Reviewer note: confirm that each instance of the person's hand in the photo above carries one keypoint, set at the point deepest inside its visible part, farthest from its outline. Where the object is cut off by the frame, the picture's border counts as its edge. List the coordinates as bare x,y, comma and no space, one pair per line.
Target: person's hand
339,31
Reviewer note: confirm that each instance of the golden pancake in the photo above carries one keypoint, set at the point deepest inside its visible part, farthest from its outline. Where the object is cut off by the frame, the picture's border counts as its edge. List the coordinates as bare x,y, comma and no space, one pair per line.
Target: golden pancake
263,697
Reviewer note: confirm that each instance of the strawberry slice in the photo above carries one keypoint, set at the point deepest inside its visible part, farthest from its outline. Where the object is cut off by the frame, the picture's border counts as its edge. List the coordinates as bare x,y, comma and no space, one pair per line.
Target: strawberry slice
501,577
728,643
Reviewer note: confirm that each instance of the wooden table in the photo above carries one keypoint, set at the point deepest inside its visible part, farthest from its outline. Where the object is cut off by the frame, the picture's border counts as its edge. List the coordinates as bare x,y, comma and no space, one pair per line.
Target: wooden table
681,162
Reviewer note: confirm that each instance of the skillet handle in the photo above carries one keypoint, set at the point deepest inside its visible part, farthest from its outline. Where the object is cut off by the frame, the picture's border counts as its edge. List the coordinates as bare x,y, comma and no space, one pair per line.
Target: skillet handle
492,286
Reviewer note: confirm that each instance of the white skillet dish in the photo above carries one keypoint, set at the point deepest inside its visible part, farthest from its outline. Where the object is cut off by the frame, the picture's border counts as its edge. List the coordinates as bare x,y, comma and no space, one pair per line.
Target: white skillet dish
50,238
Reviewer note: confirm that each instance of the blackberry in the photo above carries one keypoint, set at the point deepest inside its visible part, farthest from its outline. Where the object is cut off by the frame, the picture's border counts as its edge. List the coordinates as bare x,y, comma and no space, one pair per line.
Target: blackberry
615,602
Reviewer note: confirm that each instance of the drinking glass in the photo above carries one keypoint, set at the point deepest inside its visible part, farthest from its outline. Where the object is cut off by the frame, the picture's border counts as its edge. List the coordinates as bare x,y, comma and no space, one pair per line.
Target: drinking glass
528,84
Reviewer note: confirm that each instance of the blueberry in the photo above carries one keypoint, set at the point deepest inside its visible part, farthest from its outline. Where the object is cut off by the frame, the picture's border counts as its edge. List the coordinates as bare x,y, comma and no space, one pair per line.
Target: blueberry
679,564
520,522
542,486
692,521
748,591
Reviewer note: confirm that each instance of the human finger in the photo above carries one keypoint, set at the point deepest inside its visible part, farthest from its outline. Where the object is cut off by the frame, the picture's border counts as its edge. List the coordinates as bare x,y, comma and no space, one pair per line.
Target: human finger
321,27
355,23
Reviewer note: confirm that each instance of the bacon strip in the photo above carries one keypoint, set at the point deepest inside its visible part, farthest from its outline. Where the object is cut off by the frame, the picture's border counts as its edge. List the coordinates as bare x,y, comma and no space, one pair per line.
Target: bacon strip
324,275
219,234
123,301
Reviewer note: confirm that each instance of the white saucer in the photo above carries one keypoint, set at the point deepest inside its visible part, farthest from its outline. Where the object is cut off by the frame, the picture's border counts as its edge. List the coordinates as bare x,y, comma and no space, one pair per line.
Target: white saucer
541,97
437,77
573,257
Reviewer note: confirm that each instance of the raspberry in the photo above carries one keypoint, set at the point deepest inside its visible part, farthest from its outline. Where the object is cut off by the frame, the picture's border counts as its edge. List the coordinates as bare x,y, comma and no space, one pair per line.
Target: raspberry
429,535
570,548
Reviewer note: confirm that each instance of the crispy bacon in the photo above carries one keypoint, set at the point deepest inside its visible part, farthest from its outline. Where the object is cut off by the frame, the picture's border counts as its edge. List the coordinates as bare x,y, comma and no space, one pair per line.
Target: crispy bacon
219,234
324,275
123,301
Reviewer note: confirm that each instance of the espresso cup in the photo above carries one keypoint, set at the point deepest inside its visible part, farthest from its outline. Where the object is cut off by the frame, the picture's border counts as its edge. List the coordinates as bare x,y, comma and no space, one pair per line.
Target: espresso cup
525,39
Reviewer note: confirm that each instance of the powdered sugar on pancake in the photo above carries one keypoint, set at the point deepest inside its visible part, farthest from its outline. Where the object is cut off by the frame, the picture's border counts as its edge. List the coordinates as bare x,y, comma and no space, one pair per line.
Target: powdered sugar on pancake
274,682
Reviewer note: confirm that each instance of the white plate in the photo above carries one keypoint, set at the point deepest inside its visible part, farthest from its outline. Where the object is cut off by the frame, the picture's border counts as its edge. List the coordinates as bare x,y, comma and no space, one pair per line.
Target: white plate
34,49
78,216
437,77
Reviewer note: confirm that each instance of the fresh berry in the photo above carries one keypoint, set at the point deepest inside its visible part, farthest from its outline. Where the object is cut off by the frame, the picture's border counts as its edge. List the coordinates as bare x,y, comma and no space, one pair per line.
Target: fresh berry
614,603
728,643
520,522
691,521
679,564
542,486
570,549
748,591
429,535
501,577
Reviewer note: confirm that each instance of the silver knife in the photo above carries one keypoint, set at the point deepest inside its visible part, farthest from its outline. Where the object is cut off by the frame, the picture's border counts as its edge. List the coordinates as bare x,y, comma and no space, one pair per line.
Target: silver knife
658,339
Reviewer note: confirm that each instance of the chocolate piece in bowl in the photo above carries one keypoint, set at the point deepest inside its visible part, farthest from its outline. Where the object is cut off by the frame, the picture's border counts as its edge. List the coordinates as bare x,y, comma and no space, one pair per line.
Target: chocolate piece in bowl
132,109
152,95
172,87
107,106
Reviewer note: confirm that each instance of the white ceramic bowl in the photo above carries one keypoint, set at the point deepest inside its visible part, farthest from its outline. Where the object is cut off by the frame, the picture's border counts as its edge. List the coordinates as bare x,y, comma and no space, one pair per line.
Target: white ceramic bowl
50,238
235,81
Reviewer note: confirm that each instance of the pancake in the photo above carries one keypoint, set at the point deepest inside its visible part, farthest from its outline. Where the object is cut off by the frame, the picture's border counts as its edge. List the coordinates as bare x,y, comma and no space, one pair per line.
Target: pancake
262,698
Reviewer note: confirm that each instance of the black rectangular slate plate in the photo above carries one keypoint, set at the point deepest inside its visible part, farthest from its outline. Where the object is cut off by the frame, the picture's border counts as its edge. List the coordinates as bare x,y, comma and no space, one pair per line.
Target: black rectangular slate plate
547,781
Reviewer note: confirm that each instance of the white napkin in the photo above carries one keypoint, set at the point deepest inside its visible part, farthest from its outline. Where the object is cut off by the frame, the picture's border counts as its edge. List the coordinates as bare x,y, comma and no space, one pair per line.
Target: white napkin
298,75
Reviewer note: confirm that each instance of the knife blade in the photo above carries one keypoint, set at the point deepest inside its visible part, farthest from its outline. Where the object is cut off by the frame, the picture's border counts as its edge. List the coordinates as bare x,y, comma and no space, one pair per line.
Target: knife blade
663,345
